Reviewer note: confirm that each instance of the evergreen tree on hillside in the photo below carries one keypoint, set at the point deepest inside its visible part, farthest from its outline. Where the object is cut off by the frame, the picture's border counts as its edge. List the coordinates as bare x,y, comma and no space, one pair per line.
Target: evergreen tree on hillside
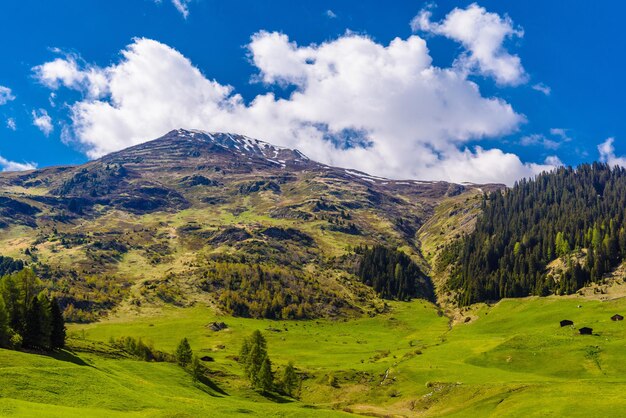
45,311
290,380
197,370
57,335
184,353
34,325
265,380
256,362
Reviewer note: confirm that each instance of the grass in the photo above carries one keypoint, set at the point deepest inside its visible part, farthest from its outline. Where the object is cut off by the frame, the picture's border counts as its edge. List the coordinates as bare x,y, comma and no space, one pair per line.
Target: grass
513,359
513,355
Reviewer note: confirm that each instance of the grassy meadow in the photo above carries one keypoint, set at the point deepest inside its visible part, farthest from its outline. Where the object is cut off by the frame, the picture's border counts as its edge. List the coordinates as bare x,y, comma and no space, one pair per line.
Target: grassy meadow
510,359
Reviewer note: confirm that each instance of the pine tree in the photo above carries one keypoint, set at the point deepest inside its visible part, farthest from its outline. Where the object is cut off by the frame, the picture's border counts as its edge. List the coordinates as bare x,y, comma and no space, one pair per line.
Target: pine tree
265,380
252,356
45,312
197,370
184,353
243,352
57,335
33,325
290,380
253,364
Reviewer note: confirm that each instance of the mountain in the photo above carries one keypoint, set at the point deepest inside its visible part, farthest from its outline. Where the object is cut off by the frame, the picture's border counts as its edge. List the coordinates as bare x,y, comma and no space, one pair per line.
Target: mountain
256,229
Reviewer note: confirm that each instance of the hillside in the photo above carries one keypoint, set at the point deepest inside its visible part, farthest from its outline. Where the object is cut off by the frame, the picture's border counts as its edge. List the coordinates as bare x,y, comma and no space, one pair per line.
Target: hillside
179,219
552,234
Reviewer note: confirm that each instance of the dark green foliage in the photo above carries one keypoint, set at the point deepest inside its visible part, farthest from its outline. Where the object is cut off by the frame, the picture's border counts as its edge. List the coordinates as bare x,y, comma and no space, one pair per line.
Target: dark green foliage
9,265
184,353
392,274
34,326
525,228
57,333
290,380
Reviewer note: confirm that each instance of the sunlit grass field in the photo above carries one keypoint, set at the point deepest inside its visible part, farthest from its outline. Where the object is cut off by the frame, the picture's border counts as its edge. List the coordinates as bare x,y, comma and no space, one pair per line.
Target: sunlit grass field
511,359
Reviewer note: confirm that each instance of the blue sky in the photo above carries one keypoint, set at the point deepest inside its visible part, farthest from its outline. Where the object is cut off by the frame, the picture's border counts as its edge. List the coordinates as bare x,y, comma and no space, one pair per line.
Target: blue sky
572,50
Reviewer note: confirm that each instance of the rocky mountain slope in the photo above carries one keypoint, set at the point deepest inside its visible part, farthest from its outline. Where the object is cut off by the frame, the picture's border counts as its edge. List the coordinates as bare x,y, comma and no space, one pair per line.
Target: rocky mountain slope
255,229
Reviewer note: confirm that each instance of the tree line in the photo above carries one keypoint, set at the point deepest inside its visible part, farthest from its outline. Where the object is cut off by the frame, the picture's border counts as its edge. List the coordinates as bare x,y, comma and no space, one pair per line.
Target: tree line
577,215
28,317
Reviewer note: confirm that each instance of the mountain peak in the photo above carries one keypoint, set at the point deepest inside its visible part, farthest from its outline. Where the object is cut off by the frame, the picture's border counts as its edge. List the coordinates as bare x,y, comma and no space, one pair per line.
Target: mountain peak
242,144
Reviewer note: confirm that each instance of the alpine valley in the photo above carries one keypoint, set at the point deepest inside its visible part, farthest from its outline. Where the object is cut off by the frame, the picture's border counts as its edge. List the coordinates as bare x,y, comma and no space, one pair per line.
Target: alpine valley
184,264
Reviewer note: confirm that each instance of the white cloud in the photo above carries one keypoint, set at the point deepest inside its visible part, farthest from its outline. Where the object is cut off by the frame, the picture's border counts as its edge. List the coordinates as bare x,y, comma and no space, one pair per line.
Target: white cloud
181,5
66,72
5,95
560,132
558,136
482,34
607,153
539,139
553,161
11,124
330,14
43,121
417,118
14,166
541,87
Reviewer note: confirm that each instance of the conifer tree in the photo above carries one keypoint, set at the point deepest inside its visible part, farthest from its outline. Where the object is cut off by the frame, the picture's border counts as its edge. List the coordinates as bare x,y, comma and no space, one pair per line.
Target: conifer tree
57,335
184,353
265,380
290,380
33,325
45,312
197,370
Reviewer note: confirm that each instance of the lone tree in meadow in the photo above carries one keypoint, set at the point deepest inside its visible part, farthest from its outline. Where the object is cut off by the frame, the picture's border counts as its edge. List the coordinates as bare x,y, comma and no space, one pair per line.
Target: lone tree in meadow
184,353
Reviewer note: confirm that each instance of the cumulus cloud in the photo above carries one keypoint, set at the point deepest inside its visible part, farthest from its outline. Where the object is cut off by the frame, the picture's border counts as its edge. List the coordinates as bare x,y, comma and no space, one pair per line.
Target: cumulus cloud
5,95
482,34
11,124
356,103
330,14
43,121
67,72
607,153
7,165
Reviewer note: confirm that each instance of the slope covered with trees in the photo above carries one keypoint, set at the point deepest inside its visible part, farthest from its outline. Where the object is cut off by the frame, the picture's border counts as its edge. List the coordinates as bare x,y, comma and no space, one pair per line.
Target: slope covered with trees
28,318
578,214
392,274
